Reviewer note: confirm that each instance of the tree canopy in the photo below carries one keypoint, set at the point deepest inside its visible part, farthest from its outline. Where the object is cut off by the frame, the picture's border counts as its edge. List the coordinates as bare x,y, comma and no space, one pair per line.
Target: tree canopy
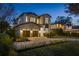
6,10
64,20
72,8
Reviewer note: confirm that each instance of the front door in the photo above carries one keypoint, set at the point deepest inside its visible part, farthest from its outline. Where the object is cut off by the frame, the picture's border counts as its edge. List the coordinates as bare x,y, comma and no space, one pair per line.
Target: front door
26,33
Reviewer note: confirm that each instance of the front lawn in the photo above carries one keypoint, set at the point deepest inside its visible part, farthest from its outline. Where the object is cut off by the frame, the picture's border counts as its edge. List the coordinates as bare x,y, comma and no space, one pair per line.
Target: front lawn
60,49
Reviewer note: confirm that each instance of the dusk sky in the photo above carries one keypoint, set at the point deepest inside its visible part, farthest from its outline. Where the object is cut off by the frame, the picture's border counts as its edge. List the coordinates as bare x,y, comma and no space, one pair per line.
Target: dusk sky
52,9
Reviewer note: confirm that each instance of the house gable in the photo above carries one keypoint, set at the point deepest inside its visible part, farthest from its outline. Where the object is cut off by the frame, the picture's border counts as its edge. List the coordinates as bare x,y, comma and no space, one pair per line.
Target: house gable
29,25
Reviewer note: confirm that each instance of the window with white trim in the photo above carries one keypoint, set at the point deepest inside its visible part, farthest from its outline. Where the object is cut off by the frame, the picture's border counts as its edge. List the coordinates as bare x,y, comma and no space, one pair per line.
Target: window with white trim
19,21
46,20
26,19
32,19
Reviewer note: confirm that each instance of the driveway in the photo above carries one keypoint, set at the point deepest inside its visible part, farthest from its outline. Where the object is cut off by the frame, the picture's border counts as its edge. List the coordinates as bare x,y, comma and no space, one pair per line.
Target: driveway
41,42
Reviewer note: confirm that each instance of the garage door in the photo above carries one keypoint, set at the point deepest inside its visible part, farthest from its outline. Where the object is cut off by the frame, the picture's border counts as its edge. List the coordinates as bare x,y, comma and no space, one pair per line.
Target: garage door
35,34
26,33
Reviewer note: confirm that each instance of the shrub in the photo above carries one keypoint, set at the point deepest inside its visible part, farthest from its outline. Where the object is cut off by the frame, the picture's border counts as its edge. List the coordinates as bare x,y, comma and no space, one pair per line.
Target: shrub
59,32
24,39
5,39
75,34
55,32
67,34
19,39
6,44
12,33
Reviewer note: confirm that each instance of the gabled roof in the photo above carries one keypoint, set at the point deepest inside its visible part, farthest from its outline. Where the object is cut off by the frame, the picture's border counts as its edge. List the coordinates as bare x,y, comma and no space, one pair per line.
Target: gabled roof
52,23
27,13
45,15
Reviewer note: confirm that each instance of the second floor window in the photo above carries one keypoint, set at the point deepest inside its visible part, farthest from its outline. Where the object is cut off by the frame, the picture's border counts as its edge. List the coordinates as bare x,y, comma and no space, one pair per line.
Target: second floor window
32,19
46,20
26,19
19,21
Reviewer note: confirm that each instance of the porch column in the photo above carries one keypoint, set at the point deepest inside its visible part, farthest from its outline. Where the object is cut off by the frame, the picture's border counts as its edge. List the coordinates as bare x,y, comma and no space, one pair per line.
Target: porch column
41,33
31,32
21,33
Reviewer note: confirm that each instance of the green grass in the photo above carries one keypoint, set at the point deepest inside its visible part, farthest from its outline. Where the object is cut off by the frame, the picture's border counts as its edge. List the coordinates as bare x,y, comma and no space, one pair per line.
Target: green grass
60,49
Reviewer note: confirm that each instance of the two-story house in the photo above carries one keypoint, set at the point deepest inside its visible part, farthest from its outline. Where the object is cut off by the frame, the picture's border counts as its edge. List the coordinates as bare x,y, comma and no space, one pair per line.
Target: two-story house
31,25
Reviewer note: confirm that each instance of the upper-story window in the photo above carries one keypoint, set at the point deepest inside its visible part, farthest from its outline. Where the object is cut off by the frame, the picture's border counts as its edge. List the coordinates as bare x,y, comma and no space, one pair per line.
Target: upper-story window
19,21
46,20
26,19
32,19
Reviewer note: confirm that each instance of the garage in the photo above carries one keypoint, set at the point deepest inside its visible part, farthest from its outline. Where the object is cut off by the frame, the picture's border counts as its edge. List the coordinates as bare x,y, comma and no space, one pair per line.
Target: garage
35,34
26,33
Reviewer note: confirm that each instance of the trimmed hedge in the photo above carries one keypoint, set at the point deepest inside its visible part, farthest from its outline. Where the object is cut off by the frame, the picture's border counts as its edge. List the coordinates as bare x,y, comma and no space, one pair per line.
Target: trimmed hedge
60,33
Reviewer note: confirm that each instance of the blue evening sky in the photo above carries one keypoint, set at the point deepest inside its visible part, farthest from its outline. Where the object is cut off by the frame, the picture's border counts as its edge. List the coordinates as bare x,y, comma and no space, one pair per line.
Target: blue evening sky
53,9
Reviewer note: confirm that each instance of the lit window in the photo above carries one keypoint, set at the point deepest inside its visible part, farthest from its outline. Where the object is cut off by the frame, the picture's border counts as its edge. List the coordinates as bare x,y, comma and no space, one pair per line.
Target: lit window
26,19
19,21
46,20
32,19
38,21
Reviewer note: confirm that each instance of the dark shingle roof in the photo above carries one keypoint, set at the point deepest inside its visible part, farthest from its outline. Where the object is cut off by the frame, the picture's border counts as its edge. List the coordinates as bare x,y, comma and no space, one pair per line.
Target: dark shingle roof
27,13
45,15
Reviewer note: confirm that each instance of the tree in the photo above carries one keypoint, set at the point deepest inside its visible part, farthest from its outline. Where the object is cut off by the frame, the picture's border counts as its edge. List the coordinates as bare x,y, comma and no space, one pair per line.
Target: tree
68,21
64,20
72,8
12,33
4,26
6,10
6,45
60,19
6,35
